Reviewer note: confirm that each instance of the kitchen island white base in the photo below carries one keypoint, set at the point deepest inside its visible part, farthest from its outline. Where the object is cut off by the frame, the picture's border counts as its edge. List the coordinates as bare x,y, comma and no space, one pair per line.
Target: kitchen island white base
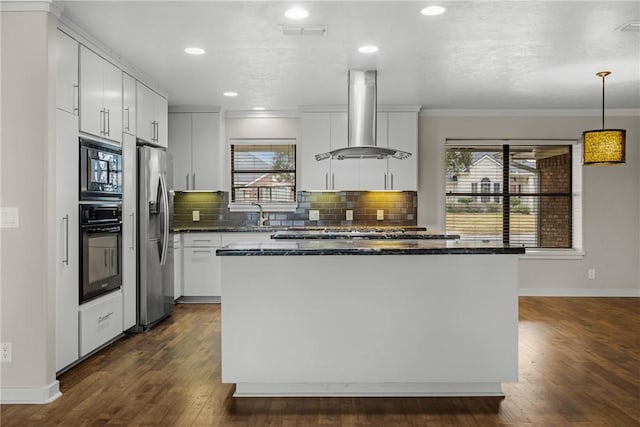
388,325
368,390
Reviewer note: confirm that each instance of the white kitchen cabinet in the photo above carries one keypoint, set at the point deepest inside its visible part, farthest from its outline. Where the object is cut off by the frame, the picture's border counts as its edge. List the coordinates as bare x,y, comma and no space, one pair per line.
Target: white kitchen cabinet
201,266
403,135
100,321
128,104
246,237
100,96
151,116
66,73
323,132
67,239
177,266
195,146
129,223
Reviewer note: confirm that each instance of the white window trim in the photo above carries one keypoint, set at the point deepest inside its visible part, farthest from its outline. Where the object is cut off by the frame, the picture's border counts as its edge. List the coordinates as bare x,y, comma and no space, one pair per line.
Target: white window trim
266,206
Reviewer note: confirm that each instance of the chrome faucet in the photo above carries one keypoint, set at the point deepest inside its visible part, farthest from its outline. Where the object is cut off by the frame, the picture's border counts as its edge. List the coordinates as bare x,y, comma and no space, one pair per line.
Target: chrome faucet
262,216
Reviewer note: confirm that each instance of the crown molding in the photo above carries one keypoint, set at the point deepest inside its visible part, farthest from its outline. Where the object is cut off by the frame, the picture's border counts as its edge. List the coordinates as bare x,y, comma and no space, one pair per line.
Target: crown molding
611,112
31,6
194,109
265,114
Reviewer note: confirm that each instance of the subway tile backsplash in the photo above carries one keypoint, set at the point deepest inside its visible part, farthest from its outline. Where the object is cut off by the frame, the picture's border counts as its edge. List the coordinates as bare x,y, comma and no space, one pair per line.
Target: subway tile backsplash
400,209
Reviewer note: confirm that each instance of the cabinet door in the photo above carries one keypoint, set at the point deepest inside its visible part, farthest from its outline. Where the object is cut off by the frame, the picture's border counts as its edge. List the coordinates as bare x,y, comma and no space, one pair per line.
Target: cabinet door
128,104
112,98
373,172
91,90
145,127
67,239
344,173
403,134
180,148
201,272
205,130
160,113
316,138
178,261
66,73
129,223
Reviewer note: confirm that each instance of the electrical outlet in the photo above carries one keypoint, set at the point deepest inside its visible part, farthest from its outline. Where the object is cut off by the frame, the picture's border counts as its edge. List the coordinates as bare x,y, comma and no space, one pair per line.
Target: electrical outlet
349,215
380,215
591,273
6,352
195,215
314,215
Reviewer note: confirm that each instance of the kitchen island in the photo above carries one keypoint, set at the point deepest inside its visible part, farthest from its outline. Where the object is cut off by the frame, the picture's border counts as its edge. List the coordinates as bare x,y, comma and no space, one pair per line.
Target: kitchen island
369,317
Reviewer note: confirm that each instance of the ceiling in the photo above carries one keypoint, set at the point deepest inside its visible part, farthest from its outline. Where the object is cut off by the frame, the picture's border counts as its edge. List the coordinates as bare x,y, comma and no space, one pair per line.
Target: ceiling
478,55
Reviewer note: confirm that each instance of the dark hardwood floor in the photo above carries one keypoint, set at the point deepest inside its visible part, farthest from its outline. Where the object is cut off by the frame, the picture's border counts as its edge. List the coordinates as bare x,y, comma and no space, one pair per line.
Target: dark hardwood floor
579,365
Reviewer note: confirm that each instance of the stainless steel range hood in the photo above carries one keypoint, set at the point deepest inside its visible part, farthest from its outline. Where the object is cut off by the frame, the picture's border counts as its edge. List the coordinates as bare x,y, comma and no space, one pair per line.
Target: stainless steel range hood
362,122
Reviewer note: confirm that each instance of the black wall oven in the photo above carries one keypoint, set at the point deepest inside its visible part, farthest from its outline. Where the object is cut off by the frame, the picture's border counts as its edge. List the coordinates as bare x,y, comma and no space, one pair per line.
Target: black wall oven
100,171
100,249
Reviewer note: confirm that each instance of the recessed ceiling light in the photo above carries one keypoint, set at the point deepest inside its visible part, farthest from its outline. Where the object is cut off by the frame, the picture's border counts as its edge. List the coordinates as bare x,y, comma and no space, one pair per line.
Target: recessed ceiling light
230,94
368,49
296,13
433,10
194,50
259,108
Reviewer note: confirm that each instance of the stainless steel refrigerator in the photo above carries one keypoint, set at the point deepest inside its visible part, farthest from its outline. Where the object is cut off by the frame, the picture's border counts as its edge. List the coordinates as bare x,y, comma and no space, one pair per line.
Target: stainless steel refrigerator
155,236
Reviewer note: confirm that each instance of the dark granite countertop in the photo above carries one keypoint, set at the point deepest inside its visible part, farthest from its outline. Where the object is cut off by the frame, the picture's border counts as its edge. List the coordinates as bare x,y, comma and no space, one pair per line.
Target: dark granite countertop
373,234
366,247
256,229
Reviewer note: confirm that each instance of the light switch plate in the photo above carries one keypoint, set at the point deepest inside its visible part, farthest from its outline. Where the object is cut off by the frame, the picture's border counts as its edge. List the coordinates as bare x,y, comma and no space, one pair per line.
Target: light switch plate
314,215
349,215
195,215
10,217
380,214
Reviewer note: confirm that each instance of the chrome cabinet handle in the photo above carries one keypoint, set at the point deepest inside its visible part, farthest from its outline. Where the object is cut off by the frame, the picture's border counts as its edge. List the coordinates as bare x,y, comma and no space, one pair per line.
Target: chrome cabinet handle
392,181
202,250
326,181
133,231
385,180
107,122
102,121
75,95
105,258
201,240
127,127
333,181
193,180
111,252
187,181
66,240
105,317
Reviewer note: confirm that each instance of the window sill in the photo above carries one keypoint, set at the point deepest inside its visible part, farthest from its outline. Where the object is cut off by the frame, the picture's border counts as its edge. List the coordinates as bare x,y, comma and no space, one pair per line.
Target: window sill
266,207
553,254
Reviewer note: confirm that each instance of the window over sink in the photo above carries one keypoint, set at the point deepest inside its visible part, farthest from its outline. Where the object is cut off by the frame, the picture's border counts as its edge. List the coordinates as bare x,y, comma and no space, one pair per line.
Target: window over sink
263,172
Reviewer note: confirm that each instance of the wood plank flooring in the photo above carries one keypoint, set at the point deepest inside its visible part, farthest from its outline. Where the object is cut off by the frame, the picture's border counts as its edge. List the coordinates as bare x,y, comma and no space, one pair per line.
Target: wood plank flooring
579,366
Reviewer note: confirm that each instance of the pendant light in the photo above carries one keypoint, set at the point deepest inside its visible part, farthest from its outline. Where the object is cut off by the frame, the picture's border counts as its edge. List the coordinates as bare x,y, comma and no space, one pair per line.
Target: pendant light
603,146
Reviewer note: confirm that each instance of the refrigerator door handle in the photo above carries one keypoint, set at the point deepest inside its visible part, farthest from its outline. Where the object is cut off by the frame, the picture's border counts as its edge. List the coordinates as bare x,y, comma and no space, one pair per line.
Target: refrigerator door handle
165,237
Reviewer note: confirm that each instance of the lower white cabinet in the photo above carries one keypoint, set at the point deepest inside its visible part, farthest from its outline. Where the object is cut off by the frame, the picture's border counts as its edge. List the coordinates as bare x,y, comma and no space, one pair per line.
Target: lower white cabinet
201,266
100,321
177,266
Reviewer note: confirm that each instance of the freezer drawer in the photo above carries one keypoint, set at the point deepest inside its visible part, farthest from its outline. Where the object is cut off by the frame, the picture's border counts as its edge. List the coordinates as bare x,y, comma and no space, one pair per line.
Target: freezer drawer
100,321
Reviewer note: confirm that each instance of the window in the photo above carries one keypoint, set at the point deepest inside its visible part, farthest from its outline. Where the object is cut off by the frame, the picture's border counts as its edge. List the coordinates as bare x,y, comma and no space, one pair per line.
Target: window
533,203
263,172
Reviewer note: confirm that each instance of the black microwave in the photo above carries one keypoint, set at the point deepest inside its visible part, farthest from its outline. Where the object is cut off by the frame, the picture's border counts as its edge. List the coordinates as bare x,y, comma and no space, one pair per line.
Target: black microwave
100,171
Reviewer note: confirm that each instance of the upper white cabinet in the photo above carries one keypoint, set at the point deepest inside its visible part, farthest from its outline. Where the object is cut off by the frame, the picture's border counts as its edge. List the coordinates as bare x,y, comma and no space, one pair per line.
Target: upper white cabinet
325,131
152,109
194,143
128,104
66,73
100,96
129,222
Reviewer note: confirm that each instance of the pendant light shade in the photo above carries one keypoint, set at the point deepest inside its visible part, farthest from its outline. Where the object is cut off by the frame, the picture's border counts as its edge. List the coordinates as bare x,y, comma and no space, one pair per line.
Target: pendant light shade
604,146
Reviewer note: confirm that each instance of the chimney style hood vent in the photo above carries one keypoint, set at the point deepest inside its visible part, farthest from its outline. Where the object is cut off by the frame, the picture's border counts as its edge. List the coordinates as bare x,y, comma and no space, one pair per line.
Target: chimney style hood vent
362,122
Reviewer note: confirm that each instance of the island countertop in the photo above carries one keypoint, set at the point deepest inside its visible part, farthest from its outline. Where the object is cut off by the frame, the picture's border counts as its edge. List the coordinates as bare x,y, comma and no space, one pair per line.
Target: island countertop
374,234
367,247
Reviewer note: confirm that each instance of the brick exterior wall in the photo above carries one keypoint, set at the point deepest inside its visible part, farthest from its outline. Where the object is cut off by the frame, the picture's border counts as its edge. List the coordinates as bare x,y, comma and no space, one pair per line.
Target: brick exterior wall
554,228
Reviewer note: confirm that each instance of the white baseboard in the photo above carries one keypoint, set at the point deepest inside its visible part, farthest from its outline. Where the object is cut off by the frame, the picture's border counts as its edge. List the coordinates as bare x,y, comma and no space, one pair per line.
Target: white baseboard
578,292
30,395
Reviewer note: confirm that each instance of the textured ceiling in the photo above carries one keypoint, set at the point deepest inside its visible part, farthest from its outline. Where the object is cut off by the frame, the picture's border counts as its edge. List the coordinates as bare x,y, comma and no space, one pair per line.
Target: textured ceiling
478,55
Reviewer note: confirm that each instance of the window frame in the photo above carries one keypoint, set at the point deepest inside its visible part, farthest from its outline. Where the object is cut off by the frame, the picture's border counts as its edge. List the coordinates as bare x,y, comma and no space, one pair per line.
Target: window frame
267,206
576,251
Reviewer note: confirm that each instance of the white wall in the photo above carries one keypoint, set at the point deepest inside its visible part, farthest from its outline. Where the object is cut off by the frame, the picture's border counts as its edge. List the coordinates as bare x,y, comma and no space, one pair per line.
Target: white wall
27,182
611,201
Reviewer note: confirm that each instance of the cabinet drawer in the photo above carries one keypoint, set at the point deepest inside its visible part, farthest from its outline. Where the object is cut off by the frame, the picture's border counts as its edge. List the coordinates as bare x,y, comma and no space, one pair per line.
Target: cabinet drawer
201,240
100,321
261,237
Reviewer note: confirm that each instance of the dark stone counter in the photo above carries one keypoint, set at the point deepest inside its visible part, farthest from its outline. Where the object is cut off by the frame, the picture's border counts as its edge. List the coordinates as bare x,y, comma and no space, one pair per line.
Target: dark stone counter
367,247
267,229
377,234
